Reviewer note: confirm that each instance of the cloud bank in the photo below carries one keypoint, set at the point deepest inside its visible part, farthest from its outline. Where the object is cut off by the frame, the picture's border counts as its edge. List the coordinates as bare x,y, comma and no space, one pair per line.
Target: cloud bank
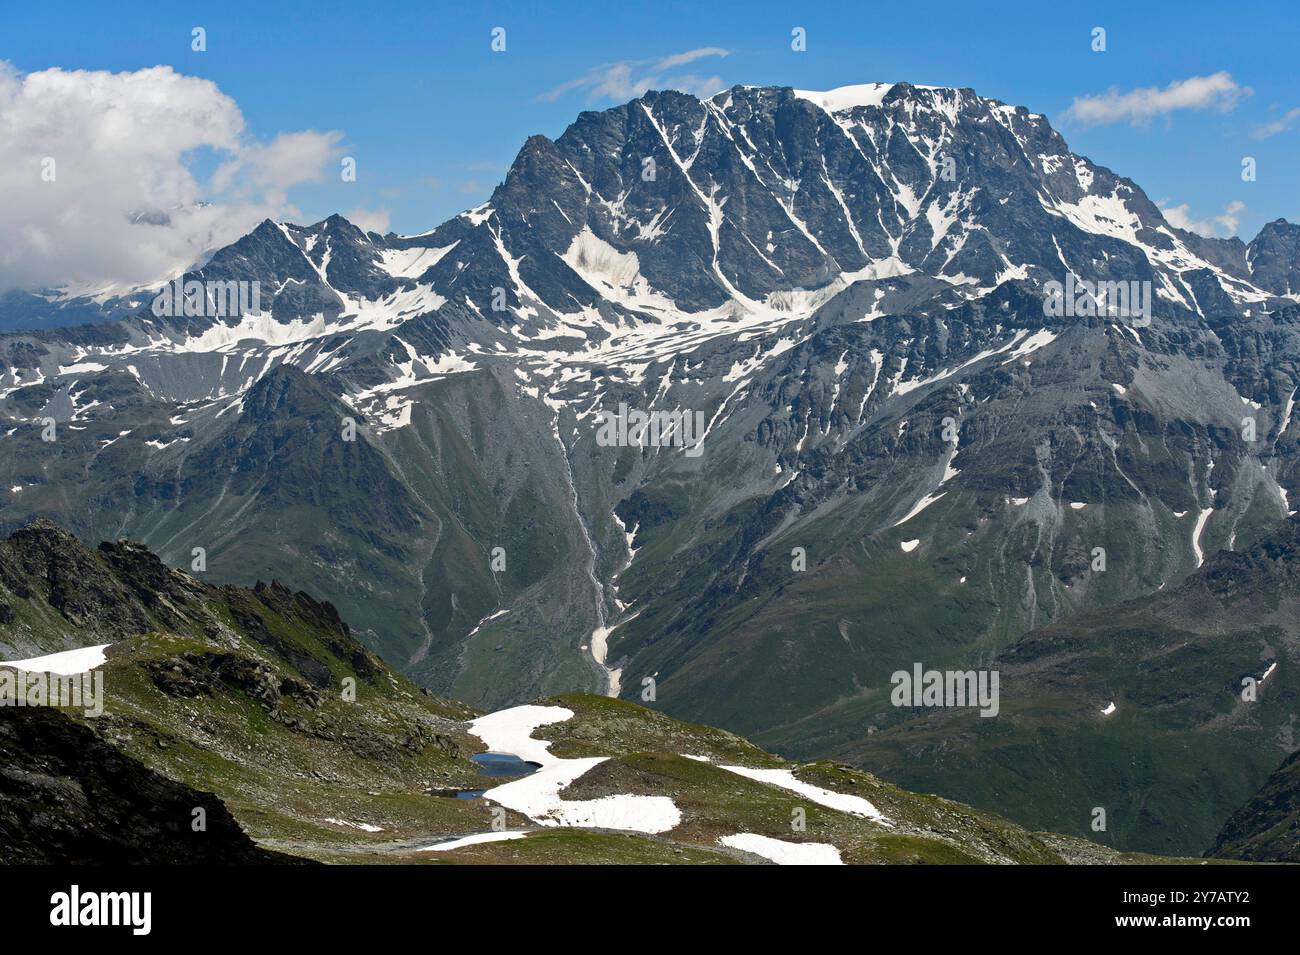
1138,107
1279,125
1221,226
99,187
628,79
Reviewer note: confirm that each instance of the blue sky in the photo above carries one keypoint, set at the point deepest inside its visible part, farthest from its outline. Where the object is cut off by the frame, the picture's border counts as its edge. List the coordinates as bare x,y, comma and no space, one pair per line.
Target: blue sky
434,117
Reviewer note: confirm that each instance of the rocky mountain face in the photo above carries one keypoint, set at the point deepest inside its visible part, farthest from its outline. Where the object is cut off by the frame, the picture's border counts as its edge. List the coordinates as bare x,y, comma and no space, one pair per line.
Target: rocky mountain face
55,594
1169,712
1272,255
904,446
1267,827
68,797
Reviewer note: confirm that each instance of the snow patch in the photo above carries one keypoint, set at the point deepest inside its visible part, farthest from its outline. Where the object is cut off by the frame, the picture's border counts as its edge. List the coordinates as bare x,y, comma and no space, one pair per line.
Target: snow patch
477,839
1037,340
785,779
363,826
538,796
782,852
1196,534
616,275
847,97
413,262
66,663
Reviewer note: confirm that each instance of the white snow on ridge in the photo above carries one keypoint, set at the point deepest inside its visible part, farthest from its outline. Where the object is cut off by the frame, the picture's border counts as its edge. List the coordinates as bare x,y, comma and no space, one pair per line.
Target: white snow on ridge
1196,534
949,472
261,328
510,731
909,546
363,826
81,368
474,840
616,275
918,507
903,387
492,616
414,262
847,97
538,796
785,779
66,663
782,852
1037,340
1113,215
478,215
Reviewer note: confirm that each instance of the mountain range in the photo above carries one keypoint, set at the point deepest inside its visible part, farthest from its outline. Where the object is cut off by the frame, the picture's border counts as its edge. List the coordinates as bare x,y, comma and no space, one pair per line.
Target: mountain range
912,449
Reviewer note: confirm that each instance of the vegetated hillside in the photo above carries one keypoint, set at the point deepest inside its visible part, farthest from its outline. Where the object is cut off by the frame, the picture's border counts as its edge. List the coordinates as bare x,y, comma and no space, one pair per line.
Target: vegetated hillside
1202,678
259,707
1267,827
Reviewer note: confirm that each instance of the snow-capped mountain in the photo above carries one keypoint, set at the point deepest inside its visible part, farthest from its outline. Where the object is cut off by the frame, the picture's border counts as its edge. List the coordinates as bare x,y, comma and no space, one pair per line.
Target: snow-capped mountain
756,206
892,310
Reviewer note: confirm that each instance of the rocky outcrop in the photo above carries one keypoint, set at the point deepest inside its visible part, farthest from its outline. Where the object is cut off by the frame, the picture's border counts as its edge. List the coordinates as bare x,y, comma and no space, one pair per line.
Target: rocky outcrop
73,596
1267,827
210,674
67,796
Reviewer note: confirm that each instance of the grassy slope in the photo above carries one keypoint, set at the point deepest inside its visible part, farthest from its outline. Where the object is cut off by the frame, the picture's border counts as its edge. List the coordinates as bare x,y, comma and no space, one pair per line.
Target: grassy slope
241,693
282,783
1181,751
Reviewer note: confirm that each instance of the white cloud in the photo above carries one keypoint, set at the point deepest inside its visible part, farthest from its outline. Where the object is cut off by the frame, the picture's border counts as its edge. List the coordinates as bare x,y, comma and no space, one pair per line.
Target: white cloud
1279,125
1224,225
127,204
1138,107
690,56
369,220
288,160
629,79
